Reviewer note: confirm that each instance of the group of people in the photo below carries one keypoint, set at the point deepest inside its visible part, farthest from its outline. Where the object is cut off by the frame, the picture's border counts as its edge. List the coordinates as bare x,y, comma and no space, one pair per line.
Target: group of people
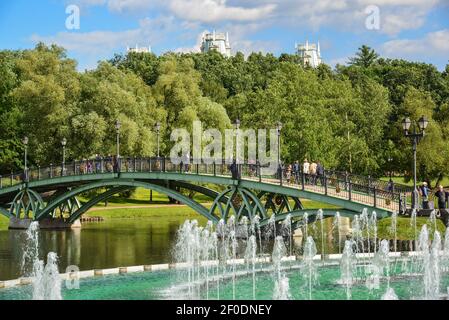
313,172
441,196
86,167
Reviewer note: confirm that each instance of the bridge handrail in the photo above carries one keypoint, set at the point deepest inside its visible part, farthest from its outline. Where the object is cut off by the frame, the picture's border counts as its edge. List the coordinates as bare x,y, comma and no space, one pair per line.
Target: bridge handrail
57,169
336,183
380,184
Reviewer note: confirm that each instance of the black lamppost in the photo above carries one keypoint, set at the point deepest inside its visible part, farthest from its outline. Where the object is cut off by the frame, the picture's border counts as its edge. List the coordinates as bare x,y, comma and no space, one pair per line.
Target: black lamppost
415,137
158,130
390,160
279,129
237,128
25,168
63,143
118,125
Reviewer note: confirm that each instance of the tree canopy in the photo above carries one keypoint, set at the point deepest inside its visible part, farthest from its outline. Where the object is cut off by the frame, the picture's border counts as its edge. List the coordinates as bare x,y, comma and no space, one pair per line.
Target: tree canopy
348,117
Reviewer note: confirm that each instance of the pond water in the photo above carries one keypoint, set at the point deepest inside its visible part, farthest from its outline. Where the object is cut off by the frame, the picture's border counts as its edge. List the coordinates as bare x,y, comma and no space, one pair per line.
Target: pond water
110,244
113,243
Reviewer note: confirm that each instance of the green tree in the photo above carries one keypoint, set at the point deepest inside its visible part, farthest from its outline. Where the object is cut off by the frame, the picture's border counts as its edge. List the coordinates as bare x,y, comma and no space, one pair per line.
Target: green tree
365,57
110,94
433,150
47,95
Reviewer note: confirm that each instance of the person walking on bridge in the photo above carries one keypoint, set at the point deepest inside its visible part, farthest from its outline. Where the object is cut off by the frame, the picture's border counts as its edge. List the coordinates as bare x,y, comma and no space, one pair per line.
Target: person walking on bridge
442,197
234,170
116,164
424,192
296,171
320,172
312,171
288,174
305,169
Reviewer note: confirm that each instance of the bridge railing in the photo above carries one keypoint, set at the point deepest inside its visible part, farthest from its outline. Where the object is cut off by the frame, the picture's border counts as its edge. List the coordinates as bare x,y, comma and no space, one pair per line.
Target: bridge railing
368,180
332,183
335,185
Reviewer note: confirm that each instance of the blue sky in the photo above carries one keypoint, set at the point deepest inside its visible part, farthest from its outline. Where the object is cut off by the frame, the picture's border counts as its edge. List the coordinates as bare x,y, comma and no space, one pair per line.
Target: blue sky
411,29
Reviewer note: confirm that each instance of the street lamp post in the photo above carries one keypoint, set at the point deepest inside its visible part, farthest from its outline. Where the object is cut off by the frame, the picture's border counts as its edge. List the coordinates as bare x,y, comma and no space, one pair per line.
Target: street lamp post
118,125
237,144
238,165
158,130
279,128
390,160
25,168
415,137
63,143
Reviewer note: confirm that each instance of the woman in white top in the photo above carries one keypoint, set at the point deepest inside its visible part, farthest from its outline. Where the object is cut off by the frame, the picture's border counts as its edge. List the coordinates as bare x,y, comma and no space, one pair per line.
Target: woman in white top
306,169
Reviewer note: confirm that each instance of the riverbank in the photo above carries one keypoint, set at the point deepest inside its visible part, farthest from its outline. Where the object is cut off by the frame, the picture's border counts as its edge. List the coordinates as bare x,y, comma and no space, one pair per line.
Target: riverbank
402,181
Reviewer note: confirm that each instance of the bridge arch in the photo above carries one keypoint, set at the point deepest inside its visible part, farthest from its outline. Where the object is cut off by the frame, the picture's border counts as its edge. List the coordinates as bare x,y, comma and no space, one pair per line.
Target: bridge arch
117,184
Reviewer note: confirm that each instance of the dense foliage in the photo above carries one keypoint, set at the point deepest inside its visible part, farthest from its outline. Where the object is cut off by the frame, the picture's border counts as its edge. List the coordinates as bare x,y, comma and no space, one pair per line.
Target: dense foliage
348,118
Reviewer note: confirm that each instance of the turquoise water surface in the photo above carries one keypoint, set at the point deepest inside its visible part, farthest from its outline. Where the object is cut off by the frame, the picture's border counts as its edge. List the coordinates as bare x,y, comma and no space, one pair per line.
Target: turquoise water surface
162,285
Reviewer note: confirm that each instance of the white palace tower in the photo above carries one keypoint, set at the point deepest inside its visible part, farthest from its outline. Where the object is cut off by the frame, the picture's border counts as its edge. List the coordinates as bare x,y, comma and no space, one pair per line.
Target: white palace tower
216,41
310,54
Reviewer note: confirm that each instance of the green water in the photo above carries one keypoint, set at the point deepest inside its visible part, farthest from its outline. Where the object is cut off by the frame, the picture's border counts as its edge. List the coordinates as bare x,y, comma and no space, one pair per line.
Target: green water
151,286
128,242
115,243
110,244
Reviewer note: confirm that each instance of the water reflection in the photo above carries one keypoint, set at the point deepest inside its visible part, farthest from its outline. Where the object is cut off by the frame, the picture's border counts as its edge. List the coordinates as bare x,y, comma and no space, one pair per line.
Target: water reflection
118,242
121,242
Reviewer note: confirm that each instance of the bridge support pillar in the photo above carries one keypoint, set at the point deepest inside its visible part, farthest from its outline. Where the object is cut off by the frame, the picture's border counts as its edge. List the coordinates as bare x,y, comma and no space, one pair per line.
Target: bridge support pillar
19,224
46,224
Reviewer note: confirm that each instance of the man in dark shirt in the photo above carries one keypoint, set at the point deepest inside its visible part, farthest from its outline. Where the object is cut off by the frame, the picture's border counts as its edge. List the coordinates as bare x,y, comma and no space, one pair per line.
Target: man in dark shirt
320,172
296,171
442,197
234,170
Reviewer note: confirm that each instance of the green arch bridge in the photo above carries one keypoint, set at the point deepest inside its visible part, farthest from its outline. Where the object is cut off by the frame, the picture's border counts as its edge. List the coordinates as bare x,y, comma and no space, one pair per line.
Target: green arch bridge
49,194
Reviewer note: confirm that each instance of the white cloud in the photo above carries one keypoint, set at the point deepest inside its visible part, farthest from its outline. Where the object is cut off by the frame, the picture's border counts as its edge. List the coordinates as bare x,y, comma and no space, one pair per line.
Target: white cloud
192,10
96,42
398,2
181,21
217,10
129,5
194,49
348,15
434,44
396,15
150,32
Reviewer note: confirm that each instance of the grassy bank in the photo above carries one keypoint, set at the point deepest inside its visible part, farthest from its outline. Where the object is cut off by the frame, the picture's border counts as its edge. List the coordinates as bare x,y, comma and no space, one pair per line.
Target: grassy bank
4,222
404,229
178,211
141,197
401,180
135,211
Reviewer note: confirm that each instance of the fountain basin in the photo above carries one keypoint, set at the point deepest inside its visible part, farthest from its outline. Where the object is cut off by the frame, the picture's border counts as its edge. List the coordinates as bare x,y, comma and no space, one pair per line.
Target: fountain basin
168,284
